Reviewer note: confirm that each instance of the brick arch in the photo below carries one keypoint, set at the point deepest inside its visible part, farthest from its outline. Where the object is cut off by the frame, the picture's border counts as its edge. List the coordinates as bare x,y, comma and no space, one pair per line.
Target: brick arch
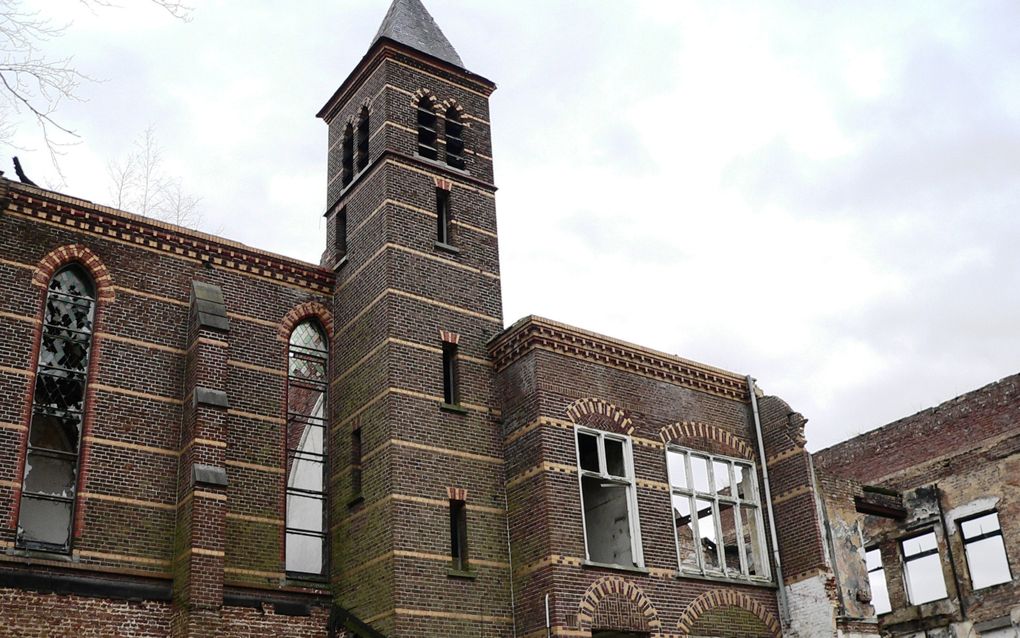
420,93
729,443
75,253
452,103
616,600
301,312
600,413
722,598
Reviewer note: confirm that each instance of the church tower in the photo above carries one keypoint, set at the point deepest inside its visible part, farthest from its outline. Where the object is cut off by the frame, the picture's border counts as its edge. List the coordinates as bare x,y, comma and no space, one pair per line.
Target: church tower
418,542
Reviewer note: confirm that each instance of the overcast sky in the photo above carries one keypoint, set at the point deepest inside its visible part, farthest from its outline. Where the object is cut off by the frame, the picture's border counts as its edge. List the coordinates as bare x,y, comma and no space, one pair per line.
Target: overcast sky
824,197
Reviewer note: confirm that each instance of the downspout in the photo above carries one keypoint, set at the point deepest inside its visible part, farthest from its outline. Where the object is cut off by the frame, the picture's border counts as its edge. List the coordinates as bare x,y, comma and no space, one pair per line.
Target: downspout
548,623
784,609
510,559
949,548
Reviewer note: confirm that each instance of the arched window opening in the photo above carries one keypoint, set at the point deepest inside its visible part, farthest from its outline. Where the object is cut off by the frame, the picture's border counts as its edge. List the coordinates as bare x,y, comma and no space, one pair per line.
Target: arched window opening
363,133
58,410
454,139
427,129
347,157
306,457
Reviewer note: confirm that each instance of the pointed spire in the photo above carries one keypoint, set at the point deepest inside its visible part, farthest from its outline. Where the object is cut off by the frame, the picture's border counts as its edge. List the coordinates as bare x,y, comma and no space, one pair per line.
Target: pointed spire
409,23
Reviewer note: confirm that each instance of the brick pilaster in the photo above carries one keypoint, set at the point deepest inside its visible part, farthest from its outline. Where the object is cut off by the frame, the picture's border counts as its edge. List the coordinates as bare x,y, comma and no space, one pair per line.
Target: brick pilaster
201,488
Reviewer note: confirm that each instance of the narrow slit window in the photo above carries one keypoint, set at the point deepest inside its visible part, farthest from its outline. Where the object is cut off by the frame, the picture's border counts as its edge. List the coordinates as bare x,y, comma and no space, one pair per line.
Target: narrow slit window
306,454
356,463
879,586
608,499
341,232
363,135
922,569
58,409
717,515
347,156
443,216
427,135
458,535
454,139
986,552
451,394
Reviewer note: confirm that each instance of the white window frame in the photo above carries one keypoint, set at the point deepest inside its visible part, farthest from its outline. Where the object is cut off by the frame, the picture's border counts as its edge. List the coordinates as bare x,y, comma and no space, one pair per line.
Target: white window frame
603,474
693,495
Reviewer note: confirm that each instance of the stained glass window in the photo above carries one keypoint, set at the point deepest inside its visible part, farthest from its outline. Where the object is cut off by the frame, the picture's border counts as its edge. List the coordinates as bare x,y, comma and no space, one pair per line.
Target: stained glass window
58,408
306,458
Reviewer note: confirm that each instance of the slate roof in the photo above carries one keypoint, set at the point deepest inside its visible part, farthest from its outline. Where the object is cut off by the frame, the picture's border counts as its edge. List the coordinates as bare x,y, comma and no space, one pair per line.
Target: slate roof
409,23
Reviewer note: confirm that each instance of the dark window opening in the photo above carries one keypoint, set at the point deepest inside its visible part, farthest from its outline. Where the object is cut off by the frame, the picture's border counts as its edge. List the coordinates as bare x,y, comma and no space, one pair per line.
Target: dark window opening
306,457
363,134
427,129
356,463
347,157
341,232
443,215
454,139
58,408
450,390
458,535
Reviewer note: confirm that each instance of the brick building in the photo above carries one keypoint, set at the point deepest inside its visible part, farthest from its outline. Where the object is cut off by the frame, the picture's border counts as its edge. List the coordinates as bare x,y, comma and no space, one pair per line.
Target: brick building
200,438
932,501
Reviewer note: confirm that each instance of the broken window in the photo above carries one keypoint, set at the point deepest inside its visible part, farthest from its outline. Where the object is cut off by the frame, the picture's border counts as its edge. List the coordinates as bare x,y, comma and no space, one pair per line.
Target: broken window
426,129
58,407
608,498
458,535
922,569
306,422
986,552
443,216
716,515
363,135
347,156
876,576
454,139
450,390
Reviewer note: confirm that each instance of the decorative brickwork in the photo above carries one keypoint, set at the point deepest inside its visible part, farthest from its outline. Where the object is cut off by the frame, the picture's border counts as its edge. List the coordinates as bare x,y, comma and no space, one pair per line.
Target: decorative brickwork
449,337
707,438
721,599
615,603
457,493
596,412
57,259
443,184
302,312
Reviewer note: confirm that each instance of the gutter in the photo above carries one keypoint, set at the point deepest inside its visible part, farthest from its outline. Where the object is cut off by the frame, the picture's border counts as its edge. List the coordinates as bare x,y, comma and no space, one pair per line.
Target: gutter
784,606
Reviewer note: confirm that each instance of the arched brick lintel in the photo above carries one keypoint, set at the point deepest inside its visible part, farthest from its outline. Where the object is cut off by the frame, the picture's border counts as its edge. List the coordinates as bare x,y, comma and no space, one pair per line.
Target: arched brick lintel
682,434
301,312
726,598
75,253
581,410
615,586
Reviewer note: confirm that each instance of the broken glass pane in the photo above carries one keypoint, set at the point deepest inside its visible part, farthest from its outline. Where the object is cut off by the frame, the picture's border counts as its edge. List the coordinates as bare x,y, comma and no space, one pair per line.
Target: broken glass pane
61,349
754,546
721,473
59,390
684,531
305,472
677,469
607,521
49,475
614,457
588,451
44,521
699,468
55,432
744,478
728,542
706,530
